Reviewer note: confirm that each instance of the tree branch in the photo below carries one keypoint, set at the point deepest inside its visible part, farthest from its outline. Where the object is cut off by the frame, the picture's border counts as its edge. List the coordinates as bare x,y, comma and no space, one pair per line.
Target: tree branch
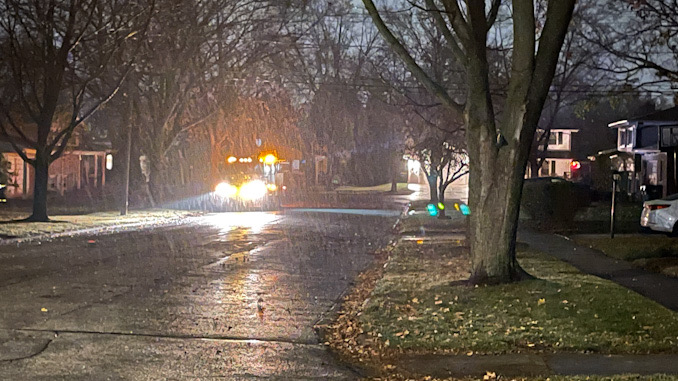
447,33
411,64
494,12
558,18
458,22
16,147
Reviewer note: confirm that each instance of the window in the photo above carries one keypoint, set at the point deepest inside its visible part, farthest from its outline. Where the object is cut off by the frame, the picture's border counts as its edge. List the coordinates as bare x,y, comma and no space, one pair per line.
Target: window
553,168
669,137
545,168
622,137
629,137
660,171
556,139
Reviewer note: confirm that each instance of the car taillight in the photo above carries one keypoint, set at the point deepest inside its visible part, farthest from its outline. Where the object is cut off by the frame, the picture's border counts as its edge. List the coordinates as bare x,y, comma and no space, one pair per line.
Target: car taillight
657,207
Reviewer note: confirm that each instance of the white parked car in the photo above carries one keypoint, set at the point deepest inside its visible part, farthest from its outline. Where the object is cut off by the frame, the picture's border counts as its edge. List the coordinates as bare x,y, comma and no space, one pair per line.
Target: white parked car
661,215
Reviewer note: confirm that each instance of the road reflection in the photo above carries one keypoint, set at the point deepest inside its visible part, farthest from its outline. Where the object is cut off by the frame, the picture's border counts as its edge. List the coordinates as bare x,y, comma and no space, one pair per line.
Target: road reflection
255,222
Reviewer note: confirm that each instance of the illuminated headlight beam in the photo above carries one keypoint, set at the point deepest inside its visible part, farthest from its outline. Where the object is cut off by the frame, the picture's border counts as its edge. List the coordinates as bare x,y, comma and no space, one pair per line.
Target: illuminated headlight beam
226,190
253,190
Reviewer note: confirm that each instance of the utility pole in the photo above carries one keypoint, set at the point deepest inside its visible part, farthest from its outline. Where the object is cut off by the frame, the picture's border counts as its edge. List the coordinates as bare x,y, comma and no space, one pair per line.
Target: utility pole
615,179
125,205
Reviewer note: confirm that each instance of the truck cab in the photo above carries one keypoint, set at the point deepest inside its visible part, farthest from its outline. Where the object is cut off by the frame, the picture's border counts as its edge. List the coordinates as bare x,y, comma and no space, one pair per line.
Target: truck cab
248,182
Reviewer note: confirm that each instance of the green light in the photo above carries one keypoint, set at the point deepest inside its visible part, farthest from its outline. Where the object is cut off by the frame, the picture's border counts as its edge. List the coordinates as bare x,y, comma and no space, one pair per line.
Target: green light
441,206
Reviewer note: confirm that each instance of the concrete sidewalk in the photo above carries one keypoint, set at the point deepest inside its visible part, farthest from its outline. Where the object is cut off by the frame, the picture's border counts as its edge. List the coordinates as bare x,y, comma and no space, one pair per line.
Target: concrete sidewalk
660,288
534,365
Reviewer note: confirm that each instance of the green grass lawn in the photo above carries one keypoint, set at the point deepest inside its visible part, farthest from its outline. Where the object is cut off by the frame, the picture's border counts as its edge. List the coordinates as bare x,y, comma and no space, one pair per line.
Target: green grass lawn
656,253
630,248
422,304
65,223
402,188
422,223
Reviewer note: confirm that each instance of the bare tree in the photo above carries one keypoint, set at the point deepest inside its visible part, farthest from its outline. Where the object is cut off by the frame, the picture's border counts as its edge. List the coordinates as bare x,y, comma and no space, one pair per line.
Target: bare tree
57,55
328,64
196,57
266,117
443,159
642,40
498,142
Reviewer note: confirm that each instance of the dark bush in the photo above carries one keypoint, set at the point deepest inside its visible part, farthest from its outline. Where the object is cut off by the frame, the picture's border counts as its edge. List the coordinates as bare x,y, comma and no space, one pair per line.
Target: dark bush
552,201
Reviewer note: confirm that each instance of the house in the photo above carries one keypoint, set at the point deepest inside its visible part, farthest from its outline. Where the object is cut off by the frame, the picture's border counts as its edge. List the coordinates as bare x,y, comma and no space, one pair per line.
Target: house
20,183
557,159
76,169
652,141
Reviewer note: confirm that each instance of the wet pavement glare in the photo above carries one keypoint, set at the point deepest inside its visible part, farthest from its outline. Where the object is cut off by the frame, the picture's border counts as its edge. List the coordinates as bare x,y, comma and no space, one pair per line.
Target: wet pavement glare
230,296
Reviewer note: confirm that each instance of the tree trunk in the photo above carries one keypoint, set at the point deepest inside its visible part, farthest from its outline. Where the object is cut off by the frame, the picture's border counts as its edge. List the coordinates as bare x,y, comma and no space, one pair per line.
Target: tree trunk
154,187
441,199
395,162
498,166
41,167
155,184
493,227
433,187
534,166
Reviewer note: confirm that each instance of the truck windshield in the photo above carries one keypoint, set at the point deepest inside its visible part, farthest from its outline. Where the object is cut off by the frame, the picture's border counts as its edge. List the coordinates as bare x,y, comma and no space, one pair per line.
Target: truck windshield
237,173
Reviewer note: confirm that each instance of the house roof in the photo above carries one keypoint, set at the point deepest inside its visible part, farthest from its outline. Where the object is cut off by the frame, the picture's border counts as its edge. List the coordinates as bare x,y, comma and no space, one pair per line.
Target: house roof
6,146
668,115
562,129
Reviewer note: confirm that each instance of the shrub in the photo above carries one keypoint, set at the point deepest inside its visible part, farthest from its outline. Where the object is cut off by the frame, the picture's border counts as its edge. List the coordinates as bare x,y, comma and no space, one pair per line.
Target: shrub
553,202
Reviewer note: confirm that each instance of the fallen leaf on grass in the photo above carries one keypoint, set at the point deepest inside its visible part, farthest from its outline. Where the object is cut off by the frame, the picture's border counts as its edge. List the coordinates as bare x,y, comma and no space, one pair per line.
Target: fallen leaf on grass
541,301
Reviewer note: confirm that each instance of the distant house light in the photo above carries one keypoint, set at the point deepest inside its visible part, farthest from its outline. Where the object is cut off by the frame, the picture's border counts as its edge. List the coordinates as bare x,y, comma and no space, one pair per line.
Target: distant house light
109,161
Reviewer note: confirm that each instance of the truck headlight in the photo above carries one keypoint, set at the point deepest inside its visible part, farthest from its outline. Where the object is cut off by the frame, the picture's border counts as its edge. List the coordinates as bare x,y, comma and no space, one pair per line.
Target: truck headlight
226,190
253,190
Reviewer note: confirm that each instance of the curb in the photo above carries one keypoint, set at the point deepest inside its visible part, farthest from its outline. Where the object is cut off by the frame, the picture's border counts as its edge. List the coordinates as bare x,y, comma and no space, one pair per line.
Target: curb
320,326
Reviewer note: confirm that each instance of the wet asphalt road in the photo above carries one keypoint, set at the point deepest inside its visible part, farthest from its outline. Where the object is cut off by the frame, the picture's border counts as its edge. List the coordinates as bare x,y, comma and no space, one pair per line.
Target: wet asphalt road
228,296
